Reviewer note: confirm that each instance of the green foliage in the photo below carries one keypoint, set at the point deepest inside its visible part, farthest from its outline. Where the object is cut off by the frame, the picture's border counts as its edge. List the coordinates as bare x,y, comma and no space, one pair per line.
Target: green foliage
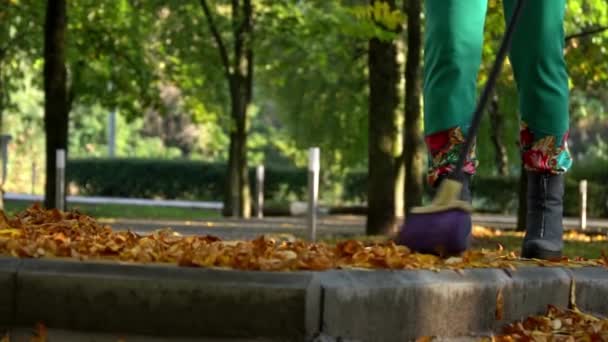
171,179
314,80
595,170
184,179
110,58
499,194
21,25
377,20
493,194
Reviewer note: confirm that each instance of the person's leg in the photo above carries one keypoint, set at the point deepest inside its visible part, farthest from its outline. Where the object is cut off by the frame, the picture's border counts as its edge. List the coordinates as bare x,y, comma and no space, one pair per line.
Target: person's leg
542,79
452,55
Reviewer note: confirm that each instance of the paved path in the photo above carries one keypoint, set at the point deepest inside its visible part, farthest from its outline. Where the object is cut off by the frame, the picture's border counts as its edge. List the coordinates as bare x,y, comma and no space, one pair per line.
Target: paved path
334,226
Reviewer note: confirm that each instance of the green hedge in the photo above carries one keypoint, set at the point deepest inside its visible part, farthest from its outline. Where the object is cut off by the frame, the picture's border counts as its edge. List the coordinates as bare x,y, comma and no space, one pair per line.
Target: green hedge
500,194
493,194
173,179
194,180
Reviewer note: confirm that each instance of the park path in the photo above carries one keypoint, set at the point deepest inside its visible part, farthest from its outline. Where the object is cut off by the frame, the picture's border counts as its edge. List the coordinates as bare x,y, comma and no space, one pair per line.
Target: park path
328,226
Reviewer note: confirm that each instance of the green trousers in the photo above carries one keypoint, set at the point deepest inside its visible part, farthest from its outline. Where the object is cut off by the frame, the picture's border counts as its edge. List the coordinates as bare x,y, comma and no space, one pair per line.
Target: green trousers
453,47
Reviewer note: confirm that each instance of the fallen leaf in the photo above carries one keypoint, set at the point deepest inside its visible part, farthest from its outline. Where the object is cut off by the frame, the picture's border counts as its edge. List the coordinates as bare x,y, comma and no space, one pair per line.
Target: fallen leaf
424,339
500,306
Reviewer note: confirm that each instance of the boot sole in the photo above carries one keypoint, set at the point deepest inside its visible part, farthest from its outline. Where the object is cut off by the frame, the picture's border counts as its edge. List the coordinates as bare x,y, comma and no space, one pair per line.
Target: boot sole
538,253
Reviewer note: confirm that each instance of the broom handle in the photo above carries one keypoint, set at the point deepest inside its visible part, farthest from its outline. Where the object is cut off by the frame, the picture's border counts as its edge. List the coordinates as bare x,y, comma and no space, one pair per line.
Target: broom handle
488,89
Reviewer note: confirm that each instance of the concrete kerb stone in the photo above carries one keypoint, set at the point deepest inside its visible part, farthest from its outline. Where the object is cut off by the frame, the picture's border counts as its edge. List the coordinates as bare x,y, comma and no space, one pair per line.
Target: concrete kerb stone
531,289
8,277
164,300
401,306
167,301
591,289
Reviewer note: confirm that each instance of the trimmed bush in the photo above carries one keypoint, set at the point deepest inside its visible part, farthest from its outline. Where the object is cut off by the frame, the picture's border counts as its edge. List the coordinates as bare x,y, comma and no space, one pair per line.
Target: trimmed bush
173,179
195,180
500,195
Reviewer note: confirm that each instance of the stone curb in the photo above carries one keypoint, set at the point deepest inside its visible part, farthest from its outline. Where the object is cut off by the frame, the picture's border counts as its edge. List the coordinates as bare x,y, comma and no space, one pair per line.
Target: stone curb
402,306
163,300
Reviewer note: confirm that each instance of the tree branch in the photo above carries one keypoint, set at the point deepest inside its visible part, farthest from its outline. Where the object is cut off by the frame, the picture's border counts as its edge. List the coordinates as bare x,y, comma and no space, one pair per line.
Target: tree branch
588,32
217,37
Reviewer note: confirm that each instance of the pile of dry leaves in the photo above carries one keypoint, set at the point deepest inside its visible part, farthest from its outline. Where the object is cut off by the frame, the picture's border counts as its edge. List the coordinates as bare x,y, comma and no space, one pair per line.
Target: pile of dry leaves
36,233
556,326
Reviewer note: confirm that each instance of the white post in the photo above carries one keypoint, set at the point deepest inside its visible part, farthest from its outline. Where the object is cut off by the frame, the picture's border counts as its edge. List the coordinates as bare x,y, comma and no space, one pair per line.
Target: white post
60,180
260,190
313,191
583,191
112,134
34,176
5,140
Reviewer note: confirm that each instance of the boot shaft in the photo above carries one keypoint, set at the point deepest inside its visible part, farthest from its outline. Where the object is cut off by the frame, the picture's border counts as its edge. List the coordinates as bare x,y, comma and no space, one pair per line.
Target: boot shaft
544,221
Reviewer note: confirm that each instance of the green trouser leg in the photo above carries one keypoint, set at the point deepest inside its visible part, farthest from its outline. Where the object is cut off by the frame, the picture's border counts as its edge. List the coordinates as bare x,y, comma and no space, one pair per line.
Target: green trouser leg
542,82
537,57
454,39
452,56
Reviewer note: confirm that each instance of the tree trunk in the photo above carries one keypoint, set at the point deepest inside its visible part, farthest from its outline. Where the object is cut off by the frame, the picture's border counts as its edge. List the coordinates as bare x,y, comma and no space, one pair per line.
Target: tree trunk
2,102
413,139
55,92
241,89
383,111
522,209
231,186
238,185
497,124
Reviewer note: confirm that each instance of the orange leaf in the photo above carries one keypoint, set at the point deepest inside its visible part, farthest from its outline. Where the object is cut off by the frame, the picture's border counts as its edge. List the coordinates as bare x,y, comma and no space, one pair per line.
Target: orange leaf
424,339
500,306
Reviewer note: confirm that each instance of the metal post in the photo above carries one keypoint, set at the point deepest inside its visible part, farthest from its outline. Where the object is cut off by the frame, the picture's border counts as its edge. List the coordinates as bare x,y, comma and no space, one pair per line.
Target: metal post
112,134
60,180
260,190
313,191
583,191
4,141
34,176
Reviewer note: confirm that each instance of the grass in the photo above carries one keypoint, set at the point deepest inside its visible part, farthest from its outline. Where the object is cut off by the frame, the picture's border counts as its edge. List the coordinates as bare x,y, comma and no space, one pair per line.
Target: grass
572,249
589,250
127,211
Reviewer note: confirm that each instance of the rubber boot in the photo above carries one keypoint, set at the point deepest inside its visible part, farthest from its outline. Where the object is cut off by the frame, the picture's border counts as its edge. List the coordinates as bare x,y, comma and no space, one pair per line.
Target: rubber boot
544,227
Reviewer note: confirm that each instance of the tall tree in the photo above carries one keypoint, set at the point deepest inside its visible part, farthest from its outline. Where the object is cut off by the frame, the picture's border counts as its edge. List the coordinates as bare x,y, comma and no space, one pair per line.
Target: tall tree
238,72
55,92
383,114
412,140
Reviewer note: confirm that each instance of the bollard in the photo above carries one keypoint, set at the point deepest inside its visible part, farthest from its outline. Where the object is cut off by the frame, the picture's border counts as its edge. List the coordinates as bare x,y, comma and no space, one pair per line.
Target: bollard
260,190
5,139
112,134
583,191
60,180
34,178
313,191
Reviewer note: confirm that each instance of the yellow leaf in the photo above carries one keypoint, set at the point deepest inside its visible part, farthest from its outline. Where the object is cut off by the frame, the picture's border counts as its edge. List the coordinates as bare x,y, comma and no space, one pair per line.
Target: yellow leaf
11,232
